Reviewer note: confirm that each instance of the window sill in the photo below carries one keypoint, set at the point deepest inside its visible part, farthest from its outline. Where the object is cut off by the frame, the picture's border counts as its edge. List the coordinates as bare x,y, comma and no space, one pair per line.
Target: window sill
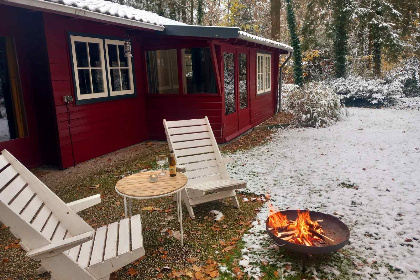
105,99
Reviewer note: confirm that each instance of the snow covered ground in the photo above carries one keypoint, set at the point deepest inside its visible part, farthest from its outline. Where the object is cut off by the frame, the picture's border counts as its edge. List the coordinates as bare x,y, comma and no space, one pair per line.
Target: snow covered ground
376,150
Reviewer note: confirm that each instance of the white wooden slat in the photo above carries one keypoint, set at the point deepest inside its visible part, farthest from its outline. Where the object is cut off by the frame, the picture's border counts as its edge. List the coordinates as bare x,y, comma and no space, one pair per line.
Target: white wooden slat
74,252
189,137
194,181
181,123
188,129
124,236
111,241
98,246
202,172
195,158
85,252
31,209
191,144
11,190
194,151
22,199
41,218
3,161
218,184
59,233
50,226
136,233
6,175
198,165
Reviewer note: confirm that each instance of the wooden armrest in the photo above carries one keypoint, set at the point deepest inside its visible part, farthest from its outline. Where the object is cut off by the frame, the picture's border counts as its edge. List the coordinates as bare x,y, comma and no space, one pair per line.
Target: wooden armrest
180,168
82,204
54,249
228,160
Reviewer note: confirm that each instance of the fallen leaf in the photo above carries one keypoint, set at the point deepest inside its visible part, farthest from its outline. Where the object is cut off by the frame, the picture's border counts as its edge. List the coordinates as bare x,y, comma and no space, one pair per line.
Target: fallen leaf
5,260
192,260
196,268
94,187
408,240
198,275
132,272
228,248
151,208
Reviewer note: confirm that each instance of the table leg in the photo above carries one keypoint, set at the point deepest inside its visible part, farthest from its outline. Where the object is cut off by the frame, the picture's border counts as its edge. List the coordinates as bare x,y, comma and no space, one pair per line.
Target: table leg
179,202
125,206
130,207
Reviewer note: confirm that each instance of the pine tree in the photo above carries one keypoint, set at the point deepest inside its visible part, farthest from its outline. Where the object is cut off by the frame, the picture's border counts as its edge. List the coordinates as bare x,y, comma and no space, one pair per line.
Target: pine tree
341,15
297,56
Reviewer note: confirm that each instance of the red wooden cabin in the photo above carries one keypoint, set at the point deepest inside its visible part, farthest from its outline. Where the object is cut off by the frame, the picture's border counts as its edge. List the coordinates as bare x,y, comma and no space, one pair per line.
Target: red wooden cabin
76,48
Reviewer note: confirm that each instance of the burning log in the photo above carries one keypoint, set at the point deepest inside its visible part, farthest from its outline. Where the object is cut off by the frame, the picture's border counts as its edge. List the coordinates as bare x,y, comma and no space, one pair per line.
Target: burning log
287,238
325,238
287,233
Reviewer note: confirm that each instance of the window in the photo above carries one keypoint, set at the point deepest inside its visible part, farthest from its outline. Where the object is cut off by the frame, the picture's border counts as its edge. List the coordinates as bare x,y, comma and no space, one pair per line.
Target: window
162,71
198,70
263,73
119,69
89,67
243,83
89,64
12,114
229,81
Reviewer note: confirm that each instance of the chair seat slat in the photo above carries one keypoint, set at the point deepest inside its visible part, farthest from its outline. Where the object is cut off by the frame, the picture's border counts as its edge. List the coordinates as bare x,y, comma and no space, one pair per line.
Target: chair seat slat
22,199
41,218
191,122
194,181
59,233
202,172
124,236
6,175
190,136
11,190
50,226
3,162
98,246
195,158
188,129
136,233
200,165
191,144
194,151
31,209
85,253
111,241
74,252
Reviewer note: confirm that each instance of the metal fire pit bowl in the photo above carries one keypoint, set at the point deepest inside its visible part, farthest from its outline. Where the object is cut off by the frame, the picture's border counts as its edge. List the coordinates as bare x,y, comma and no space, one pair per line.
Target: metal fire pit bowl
333,228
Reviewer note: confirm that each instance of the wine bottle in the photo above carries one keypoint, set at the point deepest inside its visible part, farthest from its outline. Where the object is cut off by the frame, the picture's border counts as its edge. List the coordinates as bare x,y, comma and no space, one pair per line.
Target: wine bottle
172,164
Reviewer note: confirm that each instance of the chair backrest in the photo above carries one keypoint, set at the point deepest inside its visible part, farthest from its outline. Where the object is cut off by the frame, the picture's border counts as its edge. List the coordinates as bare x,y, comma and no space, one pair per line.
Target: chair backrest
196,148
32,211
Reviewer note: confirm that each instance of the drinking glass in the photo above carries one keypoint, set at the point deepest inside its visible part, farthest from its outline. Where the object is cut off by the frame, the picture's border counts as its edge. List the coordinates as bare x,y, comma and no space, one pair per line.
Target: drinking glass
161,160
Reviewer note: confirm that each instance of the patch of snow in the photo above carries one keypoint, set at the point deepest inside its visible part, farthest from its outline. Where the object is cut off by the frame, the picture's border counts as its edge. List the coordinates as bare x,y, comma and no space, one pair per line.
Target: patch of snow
379,152
245,199
218,216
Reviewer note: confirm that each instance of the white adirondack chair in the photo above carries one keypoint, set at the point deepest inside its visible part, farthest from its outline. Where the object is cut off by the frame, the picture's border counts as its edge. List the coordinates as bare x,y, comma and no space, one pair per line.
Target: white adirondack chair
52,232
196,150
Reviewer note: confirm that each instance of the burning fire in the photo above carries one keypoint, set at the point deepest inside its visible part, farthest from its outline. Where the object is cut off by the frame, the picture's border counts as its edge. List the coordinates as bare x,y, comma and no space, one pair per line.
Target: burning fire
302,231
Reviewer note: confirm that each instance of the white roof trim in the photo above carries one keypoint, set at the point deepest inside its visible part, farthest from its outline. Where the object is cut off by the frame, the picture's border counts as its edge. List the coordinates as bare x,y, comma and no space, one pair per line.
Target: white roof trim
82,13
263,41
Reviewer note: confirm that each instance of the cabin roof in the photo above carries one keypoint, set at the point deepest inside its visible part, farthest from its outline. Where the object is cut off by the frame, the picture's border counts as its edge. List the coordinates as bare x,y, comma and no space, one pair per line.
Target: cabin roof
107,11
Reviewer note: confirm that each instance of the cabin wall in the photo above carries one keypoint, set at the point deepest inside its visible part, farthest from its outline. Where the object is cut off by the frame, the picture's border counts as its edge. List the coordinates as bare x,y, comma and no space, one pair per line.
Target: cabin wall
96,128
25,27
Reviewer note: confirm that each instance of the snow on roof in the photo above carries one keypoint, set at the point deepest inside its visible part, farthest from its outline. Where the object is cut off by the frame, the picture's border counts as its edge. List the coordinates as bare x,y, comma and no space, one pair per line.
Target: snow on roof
249,37
117,10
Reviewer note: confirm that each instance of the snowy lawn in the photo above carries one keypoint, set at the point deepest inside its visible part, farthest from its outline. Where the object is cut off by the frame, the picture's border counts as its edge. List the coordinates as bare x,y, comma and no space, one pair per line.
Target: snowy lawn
364,169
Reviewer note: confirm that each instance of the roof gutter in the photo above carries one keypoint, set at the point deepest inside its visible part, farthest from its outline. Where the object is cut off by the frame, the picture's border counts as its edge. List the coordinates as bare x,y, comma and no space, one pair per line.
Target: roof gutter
261,42
280,81
81,13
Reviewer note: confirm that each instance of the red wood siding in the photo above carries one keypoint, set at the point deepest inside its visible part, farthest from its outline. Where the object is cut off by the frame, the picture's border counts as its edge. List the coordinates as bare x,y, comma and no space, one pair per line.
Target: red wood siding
97,128
179,107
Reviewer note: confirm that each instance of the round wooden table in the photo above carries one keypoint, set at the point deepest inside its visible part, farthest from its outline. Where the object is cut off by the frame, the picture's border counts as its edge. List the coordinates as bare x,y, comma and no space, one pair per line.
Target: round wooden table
138,186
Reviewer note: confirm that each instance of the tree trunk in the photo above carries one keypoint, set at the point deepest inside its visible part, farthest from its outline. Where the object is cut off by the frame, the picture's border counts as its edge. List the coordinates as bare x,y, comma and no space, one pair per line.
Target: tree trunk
184,11
192,11
275,9
377,58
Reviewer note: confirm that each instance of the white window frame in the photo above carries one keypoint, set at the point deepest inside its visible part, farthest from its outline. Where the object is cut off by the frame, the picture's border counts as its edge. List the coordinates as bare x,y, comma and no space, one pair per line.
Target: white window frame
76,72
129,67
265,74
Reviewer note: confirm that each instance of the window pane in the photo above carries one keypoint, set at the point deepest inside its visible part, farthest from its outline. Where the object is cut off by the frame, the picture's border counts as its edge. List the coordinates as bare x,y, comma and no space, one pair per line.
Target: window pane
123,59
112,56
125,79
115,79
267,73
243,83
229,81
199,73
94,55
84,81
81,54
162,71
12,113
97,80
